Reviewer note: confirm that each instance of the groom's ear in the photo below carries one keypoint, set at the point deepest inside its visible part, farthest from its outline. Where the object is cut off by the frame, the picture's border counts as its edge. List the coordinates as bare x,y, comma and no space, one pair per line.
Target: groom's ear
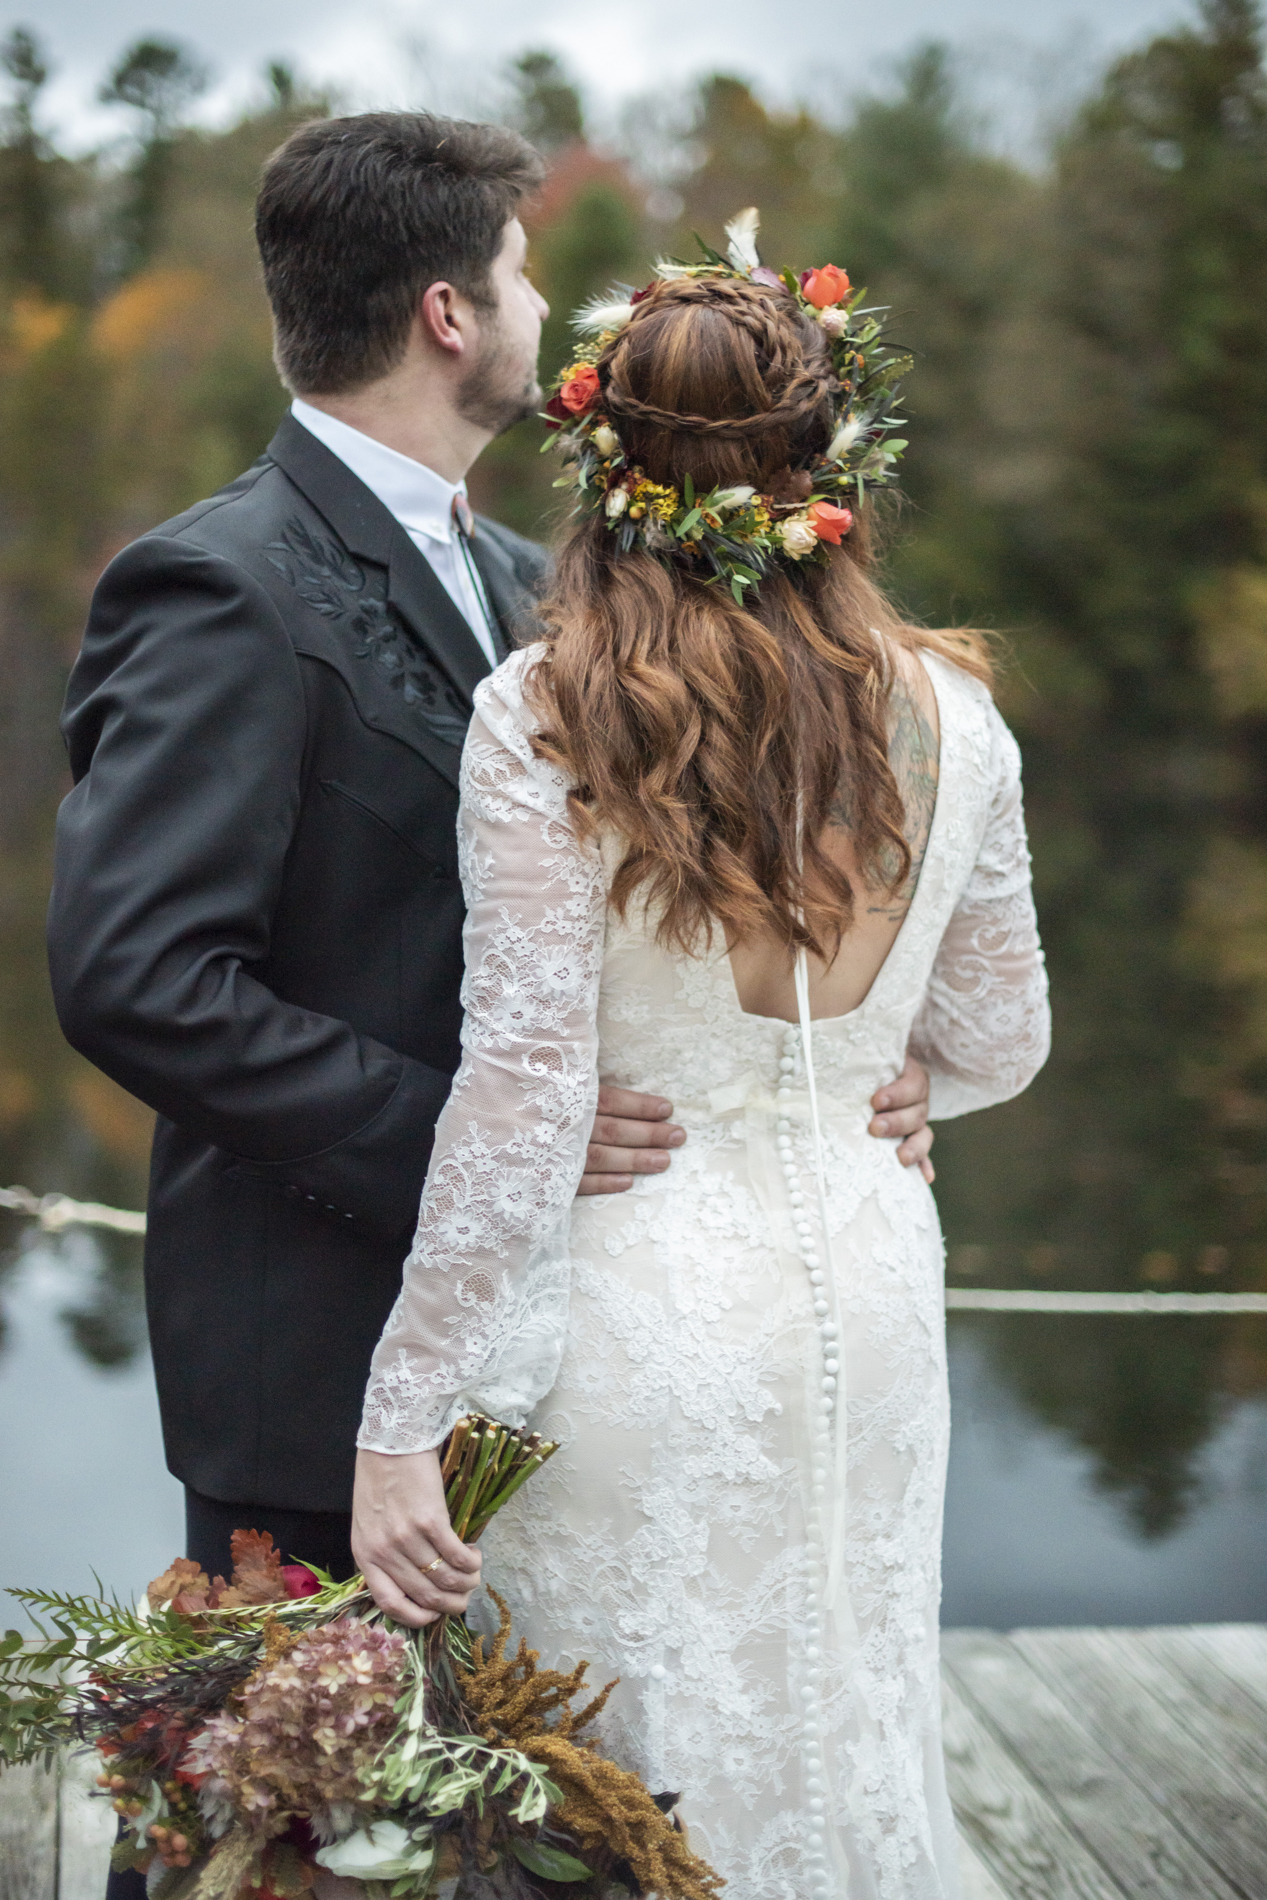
445,318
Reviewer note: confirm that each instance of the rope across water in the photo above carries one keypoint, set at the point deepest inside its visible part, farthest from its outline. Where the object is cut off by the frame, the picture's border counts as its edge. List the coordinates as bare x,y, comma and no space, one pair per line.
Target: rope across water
56,1212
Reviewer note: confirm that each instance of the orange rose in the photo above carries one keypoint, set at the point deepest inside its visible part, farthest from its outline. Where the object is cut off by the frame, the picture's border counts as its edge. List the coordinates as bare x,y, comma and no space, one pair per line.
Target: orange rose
580,391
826,285
830,522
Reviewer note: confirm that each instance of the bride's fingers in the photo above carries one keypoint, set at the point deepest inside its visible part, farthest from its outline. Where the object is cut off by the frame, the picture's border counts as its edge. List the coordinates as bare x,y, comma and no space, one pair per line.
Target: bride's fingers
440,1590
389,1597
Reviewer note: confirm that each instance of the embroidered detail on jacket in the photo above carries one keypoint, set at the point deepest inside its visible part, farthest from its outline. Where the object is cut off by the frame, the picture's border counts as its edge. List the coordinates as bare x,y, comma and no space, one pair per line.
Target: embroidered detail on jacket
328,580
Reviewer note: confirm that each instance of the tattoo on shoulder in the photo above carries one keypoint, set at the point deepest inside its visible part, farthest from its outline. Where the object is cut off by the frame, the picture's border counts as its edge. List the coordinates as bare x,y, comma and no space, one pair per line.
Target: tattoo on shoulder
914,758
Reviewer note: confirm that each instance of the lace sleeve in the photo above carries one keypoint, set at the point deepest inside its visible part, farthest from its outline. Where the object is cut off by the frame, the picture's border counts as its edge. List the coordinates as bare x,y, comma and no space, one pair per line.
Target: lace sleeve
984,1029
482,1313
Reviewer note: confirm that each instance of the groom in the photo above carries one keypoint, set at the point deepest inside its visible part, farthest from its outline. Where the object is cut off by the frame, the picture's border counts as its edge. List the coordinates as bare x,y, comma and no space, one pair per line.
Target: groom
256,920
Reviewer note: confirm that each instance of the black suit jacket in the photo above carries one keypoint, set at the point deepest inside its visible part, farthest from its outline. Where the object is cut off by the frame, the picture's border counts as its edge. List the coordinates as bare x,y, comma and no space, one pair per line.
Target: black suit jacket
256,927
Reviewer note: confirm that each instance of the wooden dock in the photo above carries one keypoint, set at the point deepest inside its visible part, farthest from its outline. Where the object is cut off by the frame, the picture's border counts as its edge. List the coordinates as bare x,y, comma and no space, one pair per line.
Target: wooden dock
1083,1765
1109,1764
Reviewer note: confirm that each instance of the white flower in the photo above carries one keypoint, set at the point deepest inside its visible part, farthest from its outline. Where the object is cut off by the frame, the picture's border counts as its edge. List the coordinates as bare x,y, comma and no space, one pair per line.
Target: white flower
729,498
742,232
382,1851
834,320
798,536
602,313
604,439
616,504
848,429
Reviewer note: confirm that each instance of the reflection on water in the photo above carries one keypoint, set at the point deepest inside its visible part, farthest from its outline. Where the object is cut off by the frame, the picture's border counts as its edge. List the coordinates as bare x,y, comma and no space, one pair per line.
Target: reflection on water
1035,1536
1102,1470
82,1481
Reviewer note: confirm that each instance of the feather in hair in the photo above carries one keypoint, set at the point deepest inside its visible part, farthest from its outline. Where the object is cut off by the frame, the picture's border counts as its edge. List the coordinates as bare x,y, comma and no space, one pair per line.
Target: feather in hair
603,313
742,232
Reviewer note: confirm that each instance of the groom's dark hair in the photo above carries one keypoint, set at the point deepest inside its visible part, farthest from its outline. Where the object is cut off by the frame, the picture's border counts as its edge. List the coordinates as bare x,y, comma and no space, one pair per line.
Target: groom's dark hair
357,216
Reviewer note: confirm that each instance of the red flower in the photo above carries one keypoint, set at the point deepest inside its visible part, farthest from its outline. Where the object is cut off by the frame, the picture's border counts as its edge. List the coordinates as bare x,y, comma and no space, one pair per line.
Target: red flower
299,1581
830,522
826,285
556,414
581,390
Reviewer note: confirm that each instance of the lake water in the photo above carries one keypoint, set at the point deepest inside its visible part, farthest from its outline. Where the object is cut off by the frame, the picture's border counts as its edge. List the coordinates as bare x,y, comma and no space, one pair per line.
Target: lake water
1051,1517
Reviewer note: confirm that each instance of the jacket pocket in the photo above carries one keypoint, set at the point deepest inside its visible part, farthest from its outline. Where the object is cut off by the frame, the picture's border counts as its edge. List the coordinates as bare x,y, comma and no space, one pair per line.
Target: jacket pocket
333,787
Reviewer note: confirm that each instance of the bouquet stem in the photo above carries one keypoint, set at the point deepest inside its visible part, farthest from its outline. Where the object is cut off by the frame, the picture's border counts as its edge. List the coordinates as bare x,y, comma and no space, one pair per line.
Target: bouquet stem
483,1465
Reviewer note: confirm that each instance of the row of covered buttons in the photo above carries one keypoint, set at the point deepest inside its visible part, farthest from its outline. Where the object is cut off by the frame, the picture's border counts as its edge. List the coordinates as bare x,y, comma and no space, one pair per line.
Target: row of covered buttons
815,1786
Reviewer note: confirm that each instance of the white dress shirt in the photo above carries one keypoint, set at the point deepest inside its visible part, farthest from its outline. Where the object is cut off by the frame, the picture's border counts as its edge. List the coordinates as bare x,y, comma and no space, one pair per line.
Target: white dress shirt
422,502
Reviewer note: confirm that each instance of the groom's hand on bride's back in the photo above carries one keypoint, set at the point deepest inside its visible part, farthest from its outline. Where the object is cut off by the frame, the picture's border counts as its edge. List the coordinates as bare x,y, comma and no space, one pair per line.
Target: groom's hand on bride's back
901,1113
632,1135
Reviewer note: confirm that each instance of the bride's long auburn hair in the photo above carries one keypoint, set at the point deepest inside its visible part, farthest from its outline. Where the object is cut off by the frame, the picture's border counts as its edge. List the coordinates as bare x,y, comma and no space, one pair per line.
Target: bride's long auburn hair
698,730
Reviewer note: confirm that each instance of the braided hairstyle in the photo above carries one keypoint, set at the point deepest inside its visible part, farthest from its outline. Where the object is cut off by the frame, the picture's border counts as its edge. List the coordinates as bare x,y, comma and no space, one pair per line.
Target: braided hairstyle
718,739
742,382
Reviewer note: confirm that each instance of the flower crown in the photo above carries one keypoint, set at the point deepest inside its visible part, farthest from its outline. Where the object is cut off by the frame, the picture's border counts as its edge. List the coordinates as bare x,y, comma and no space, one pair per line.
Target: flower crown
733,535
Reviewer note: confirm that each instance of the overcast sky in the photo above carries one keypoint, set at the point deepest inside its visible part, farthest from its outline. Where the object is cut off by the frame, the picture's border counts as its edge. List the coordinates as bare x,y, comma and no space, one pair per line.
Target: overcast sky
388,52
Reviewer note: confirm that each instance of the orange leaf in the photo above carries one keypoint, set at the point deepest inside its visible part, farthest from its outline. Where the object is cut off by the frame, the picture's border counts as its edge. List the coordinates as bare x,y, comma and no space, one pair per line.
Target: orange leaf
257,1568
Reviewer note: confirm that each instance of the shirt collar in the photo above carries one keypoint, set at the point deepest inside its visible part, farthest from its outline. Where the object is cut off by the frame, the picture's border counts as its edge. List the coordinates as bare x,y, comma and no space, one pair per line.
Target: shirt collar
421,500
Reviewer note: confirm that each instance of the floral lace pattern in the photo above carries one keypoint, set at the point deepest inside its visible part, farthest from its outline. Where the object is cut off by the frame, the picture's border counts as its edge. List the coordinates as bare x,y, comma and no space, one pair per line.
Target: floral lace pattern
669,1336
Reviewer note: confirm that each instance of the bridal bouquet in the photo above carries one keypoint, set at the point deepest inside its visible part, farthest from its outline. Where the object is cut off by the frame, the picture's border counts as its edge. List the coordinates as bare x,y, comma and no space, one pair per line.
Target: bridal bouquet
278,1734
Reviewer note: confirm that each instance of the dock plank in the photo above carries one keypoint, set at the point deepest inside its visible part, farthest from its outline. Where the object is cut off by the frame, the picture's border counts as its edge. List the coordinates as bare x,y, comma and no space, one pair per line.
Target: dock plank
1026,1845
1149,1856
1181,1762
28,1833
1180,1673
1199,1674
1240,1650
976,1882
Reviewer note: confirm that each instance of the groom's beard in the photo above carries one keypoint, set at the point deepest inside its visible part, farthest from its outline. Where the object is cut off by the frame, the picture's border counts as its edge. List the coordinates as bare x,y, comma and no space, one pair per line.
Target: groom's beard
499,389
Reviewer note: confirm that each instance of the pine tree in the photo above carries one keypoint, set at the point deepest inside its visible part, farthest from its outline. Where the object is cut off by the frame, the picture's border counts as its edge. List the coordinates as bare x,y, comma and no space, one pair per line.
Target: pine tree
35,182
547,105
157,80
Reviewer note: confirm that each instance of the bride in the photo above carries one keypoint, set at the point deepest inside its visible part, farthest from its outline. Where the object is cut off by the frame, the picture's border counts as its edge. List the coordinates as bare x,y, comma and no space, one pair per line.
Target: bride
745,847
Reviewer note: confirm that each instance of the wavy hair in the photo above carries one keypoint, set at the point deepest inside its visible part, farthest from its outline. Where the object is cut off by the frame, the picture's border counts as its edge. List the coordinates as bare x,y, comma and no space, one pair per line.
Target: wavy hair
716,740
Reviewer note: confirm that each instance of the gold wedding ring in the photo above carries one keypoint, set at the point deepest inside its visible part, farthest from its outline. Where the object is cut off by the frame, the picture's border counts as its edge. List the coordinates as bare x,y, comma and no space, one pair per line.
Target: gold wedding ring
428,1568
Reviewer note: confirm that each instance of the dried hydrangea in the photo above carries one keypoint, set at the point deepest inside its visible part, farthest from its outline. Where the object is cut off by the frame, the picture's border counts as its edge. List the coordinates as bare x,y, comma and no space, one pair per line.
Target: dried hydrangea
304,1729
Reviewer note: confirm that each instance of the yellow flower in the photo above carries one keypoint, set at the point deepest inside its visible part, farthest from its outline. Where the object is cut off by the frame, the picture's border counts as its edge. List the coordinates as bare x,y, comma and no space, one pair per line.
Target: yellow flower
660,502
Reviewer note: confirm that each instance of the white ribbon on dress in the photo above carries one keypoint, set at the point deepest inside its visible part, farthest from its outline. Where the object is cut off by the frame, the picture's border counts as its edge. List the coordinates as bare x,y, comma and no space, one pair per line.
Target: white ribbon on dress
836,1545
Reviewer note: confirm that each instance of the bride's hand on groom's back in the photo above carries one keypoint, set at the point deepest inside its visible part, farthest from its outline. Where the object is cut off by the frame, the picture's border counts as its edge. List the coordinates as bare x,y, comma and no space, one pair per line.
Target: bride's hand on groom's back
632,1135
400,1527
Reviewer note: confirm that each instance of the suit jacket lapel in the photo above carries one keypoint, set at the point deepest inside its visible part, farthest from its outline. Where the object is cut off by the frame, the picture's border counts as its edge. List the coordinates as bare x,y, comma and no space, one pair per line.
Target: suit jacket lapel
425,605
369,530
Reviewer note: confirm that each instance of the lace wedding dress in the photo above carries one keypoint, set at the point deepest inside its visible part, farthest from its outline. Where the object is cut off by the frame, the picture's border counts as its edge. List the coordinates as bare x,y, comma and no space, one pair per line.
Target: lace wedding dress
744,1520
